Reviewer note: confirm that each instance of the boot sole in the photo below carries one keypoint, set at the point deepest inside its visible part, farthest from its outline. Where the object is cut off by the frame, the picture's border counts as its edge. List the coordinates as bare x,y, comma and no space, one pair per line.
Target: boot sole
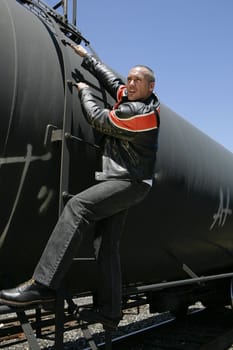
27,303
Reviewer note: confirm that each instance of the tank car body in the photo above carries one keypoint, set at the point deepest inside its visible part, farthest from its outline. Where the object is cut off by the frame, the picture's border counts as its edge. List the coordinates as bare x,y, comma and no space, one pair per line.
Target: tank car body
178,240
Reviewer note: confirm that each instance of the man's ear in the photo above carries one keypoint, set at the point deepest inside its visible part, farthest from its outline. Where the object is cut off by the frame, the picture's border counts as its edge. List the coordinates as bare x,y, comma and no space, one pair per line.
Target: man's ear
152,85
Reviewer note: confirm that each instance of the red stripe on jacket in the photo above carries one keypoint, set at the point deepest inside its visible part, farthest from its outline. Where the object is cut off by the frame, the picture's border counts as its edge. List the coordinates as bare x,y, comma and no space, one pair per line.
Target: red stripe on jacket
139,122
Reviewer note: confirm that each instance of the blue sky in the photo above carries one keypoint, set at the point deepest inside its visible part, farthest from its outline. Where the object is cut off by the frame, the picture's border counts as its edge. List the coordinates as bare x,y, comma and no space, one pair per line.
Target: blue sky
188,43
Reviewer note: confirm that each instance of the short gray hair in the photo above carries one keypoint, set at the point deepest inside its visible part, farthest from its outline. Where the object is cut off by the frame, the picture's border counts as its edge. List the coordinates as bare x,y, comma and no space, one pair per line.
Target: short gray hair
150,73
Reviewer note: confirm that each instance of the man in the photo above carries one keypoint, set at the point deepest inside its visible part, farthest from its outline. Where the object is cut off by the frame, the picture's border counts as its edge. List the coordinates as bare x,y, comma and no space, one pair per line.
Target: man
129,148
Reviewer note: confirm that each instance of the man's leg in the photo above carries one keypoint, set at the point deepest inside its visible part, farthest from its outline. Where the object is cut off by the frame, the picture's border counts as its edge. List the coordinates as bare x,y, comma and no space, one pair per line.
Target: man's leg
109,231
96,203
88,207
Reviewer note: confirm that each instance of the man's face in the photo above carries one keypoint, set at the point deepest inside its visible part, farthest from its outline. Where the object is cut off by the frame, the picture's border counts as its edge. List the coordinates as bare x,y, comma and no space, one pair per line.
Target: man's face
138,85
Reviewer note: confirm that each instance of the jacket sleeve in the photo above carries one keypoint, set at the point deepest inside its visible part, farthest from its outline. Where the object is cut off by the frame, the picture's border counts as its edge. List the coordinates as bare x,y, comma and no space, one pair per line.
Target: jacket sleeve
124,122
110,81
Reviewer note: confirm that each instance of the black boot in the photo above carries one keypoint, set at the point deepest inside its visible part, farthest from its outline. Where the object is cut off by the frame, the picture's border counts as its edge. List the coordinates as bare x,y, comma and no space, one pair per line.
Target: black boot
26,294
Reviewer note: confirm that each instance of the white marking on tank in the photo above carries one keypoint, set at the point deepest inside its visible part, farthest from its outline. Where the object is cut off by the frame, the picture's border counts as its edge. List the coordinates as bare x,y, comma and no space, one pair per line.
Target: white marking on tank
222,213
27,160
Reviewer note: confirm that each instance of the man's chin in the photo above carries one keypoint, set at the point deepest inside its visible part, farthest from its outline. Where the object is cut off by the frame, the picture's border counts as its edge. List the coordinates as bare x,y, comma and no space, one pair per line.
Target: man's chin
132,97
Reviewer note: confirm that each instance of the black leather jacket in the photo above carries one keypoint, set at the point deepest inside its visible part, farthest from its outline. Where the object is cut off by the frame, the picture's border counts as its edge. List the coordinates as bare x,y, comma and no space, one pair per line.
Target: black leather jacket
130,128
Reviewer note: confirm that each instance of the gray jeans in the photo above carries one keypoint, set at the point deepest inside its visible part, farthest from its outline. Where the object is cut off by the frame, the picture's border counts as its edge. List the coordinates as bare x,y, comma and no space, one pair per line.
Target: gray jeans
104,204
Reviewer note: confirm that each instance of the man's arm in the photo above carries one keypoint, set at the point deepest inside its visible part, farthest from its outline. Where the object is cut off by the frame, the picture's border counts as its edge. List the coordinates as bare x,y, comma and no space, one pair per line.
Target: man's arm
110,81
101,118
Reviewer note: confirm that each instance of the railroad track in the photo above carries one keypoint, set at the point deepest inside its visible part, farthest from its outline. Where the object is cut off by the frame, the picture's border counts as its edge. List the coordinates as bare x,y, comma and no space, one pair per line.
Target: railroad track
202,329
